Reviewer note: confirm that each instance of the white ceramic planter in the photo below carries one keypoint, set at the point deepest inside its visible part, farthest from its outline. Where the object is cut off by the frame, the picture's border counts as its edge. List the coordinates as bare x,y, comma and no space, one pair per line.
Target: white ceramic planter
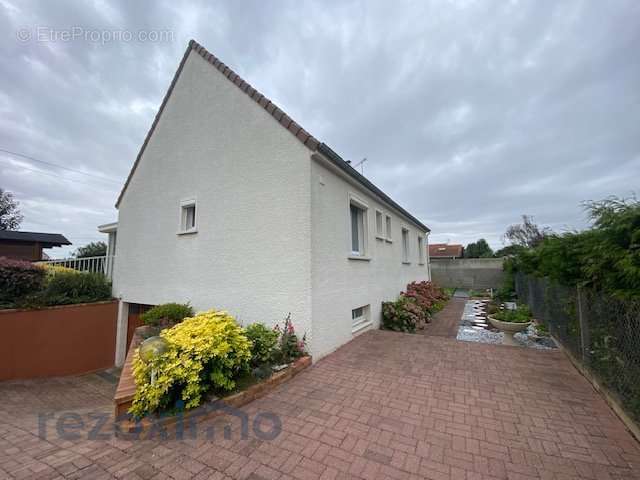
508,329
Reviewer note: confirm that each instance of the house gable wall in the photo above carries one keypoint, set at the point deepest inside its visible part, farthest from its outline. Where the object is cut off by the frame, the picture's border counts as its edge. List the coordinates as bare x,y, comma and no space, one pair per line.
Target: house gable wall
250,178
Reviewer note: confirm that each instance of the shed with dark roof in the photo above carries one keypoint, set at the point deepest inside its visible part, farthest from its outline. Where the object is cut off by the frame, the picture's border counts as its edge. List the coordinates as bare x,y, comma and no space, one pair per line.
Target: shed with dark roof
28,245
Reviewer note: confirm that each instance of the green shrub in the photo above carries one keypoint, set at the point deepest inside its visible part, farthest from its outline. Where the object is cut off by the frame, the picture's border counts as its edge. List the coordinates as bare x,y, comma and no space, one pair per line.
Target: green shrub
264,341
448,292
542,329
65,288
19,279
507,291
492,308
207,352
605,257
521,314
403,315
167,313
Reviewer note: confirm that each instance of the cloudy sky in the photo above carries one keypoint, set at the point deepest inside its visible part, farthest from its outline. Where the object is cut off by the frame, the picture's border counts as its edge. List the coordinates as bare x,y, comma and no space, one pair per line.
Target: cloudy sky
470,113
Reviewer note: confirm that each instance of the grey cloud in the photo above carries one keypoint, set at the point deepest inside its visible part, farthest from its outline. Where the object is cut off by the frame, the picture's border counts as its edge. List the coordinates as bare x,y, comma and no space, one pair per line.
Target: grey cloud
470,113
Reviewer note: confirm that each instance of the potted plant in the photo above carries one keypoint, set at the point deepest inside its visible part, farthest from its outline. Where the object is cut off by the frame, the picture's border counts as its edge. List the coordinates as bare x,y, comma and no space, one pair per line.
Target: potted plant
510,321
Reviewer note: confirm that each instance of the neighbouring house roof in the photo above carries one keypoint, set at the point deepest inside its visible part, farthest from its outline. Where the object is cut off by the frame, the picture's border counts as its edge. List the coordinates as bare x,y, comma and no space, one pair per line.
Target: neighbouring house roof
445,250
281,117
46,239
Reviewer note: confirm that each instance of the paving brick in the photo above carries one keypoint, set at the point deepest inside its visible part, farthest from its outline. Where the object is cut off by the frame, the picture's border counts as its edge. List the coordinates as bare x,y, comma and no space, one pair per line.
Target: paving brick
387,406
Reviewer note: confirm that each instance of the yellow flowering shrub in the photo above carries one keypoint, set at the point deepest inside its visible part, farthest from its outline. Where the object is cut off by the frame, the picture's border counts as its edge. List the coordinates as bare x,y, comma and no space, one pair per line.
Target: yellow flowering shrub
204,352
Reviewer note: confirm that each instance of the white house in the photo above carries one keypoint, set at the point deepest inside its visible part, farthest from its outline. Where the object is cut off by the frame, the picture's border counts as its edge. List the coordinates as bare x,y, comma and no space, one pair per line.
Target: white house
223,166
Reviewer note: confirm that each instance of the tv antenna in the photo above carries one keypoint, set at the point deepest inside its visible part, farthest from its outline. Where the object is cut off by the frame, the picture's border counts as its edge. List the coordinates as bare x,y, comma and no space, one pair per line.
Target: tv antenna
361,165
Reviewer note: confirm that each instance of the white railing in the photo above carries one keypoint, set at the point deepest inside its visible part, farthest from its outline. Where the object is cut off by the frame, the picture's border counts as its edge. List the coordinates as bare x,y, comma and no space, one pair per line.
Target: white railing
102,264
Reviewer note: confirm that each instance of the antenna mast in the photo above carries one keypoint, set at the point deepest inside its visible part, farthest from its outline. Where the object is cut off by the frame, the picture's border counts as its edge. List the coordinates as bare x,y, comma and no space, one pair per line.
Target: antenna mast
361,165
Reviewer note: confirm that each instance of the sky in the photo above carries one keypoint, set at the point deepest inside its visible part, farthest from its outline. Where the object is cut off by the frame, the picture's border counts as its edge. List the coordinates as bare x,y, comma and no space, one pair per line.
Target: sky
470,113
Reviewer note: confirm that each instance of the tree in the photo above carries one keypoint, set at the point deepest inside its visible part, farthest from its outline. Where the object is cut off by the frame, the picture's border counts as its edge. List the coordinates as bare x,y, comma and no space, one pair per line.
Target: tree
10,216
93,249
508,251
479,249
527,234
604,257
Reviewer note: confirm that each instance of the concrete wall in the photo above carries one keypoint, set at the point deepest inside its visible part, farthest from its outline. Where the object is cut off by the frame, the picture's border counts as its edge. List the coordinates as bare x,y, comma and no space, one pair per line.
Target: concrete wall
468,272
57,341
340,283
250,177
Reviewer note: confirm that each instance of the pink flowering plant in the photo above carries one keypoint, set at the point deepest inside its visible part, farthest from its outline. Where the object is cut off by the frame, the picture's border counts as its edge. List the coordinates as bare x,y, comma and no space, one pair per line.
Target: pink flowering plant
289,346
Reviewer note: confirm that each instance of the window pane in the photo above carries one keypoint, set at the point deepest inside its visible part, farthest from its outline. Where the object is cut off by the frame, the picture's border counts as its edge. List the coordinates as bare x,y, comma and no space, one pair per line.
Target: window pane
190,217
355,243
361,232
379,223
405,245
388,227
359,316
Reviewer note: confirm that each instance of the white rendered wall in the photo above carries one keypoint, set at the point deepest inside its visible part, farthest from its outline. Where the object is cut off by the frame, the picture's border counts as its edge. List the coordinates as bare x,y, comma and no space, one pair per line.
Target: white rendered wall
250,176
340,284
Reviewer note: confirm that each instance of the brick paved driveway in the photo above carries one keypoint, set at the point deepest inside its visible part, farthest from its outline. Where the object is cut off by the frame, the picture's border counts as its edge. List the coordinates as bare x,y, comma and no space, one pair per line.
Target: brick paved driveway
387,405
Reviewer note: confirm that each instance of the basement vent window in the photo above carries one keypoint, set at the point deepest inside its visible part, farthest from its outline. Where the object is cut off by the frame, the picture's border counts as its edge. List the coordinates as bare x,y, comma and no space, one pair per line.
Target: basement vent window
360,318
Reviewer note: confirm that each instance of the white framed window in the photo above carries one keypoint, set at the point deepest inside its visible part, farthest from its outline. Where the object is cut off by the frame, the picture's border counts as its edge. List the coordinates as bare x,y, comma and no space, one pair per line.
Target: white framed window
387,222
358,227
188,216
421,250
405,245
379,225
360,318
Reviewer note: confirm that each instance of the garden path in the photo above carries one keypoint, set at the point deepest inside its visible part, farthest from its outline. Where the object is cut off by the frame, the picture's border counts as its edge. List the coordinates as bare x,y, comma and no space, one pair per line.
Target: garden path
386,405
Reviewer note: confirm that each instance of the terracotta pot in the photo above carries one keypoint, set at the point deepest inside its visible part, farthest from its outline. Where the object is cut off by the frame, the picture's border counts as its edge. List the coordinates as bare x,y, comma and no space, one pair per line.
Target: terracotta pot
508,329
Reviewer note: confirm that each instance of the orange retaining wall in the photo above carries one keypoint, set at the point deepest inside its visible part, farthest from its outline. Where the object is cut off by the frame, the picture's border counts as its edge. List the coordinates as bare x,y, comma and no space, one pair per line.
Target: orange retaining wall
57,341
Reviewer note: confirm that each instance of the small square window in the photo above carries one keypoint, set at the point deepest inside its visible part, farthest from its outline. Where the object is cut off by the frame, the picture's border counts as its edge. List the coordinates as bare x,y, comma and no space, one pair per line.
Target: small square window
405,245
188,219
379,225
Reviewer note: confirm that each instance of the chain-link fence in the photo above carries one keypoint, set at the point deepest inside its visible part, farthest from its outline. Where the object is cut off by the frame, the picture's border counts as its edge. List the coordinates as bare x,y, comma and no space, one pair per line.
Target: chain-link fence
602,332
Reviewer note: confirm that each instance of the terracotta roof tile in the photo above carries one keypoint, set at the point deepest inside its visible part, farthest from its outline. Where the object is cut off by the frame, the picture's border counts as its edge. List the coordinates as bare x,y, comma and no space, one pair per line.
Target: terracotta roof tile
277,113
302,135
294,127
285,121
312,143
